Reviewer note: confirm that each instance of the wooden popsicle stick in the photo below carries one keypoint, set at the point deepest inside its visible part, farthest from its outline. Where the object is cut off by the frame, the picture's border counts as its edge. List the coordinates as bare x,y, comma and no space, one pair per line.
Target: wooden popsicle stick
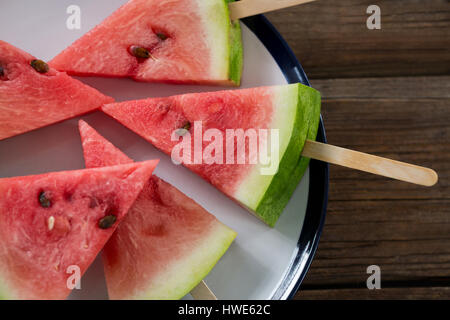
246,8
369,163
203,292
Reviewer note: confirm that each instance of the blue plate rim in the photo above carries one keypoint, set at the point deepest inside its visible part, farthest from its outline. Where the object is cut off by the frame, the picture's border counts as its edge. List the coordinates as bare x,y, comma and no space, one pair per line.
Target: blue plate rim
319,171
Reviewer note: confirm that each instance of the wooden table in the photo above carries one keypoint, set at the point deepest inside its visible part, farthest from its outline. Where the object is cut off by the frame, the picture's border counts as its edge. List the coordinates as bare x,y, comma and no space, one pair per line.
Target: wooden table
385,92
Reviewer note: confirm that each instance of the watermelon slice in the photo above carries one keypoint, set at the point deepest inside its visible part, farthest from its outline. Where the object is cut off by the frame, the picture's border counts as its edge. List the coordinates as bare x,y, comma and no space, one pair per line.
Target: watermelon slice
177,41
165,245
53,221
292,109
32,95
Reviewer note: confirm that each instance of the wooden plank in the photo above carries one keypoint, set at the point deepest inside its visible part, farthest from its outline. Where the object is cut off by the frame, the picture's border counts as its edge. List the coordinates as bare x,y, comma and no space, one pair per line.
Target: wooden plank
414,131
408,240
403,228
331,39
407,127
431,87
383,293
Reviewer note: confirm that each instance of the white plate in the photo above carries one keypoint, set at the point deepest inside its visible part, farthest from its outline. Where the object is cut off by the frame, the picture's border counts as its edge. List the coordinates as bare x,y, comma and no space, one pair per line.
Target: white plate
260,260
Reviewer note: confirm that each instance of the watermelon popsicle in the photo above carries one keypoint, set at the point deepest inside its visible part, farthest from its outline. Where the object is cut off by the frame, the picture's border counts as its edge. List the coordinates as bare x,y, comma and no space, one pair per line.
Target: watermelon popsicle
52,226
32,95
167,243
290,111
178,41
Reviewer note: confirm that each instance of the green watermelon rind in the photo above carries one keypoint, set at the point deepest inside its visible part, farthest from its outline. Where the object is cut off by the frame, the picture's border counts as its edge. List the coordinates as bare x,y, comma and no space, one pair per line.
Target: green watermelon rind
5,294
292,165
228,236
235,48
198,265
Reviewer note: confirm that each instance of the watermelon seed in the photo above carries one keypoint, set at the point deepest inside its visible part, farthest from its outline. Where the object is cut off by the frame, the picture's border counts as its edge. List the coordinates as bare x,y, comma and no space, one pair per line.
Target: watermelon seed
161,36
51,223
185,128
44,201
1,72
140,52
107,221
40,66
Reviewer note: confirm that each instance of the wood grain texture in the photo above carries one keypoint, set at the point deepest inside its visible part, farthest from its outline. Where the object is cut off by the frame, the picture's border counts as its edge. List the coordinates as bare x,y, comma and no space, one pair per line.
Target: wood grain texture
429,87
246,8
331,39
385,92
383,293
403,228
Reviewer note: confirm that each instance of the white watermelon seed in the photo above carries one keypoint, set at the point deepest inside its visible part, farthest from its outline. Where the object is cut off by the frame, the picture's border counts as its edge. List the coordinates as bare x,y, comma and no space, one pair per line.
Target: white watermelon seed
51,223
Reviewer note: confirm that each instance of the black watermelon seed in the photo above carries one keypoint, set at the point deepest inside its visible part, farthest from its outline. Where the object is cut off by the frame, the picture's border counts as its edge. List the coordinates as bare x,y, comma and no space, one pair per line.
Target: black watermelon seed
184,128
40,66
140,52
107,221
161,36
2,73
44,200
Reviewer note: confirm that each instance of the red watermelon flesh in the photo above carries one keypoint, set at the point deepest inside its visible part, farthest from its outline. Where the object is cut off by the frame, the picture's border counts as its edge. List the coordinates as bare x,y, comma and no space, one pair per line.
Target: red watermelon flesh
185,41
30,99
288,113
166,244
155,119
52,221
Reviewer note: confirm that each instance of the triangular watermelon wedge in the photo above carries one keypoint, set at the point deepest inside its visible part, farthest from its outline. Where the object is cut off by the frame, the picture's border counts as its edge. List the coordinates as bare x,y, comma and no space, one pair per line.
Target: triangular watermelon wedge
165,245
53,225
291,111
165,41
32,95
